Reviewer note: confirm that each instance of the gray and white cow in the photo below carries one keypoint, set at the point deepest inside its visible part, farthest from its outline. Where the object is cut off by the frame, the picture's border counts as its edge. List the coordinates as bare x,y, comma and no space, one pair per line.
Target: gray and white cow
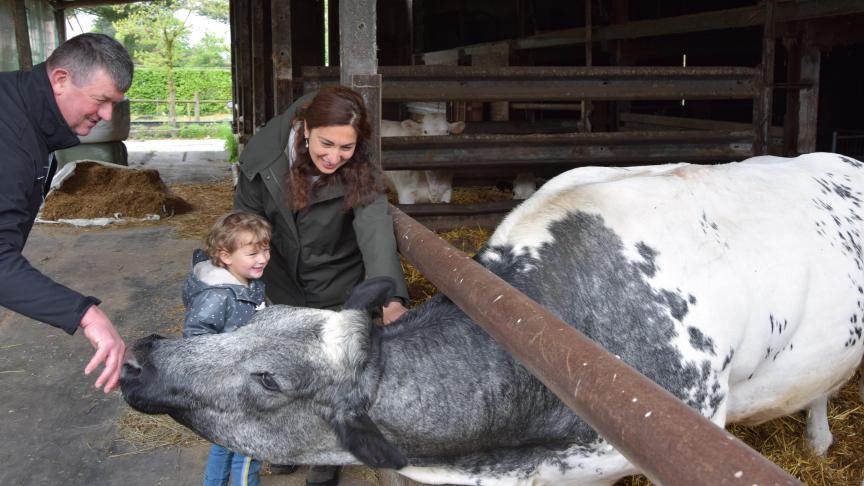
739,288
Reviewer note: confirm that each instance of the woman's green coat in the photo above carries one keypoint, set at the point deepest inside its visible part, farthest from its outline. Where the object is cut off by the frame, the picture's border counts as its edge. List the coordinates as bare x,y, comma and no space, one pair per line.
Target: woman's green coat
319,254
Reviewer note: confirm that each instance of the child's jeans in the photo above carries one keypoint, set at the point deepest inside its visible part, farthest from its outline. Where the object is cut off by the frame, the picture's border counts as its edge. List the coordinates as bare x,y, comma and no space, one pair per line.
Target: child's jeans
223,463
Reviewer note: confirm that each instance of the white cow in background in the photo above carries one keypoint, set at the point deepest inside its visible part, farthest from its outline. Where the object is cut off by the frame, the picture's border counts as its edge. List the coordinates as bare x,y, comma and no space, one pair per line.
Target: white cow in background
421,186
435,186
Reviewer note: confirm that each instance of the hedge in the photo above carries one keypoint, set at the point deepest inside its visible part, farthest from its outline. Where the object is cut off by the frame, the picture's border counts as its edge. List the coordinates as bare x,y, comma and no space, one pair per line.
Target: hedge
151,84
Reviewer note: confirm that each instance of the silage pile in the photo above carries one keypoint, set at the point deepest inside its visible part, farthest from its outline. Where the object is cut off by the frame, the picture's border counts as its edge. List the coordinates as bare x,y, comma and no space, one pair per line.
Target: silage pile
89,190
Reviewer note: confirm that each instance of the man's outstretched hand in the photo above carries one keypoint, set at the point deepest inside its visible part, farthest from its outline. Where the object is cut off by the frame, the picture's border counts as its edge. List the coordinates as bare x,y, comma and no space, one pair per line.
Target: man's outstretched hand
110,348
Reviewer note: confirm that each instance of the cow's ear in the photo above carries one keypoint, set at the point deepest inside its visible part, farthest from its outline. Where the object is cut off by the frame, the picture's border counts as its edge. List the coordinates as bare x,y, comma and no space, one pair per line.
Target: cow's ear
359,435
371,295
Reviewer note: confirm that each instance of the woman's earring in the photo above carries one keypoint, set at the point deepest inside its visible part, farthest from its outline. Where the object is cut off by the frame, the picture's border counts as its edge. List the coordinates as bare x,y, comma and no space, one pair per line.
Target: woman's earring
306,142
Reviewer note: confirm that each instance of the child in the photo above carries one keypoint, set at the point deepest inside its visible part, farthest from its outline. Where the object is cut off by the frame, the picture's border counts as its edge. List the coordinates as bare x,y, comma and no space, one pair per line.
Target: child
221,293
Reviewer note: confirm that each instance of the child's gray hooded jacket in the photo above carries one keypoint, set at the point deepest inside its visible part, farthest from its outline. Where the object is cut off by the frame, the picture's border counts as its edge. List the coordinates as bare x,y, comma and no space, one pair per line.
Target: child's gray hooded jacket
215,300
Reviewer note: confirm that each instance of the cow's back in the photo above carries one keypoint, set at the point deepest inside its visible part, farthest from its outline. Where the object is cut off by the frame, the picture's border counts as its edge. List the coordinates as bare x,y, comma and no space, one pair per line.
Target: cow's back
735,286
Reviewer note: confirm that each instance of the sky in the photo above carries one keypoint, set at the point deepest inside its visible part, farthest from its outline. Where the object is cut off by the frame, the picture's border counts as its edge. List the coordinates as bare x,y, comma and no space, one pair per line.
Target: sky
82,22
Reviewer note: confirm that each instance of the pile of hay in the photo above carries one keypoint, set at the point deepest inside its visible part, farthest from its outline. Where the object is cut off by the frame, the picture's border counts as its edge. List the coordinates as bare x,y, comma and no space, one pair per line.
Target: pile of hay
147,432
467,195
207,202
468,240
782,442
94,190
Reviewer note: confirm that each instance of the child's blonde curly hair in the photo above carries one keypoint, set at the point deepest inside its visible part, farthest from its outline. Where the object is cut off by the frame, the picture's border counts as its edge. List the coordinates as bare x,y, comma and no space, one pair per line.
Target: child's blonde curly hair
225,234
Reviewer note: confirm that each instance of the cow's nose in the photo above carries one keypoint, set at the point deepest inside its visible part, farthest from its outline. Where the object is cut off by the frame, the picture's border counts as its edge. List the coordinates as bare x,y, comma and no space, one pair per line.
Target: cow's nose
131,368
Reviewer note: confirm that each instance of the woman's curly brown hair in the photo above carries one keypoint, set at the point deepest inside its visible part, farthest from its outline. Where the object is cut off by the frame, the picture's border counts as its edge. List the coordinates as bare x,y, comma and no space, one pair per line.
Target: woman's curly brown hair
361,179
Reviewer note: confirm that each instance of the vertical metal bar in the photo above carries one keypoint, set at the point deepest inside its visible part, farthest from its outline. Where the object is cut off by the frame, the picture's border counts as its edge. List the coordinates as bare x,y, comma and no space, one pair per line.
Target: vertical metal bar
670,442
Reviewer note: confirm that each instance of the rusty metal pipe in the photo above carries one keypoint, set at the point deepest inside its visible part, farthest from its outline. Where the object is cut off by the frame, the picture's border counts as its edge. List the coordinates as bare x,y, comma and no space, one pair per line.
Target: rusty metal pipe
671,443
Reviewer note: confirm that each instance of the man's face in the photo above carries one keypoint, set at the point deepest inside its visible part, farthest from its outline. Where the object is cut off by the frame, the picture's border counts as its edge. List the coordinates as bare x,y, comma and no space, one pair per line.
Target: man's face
83,106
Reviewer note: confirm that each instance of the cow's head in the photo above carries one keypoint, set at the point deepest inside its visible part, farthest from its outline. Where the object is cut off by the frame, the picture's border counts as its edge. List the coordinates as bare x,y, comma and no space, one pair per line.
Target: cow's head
292,386
437,124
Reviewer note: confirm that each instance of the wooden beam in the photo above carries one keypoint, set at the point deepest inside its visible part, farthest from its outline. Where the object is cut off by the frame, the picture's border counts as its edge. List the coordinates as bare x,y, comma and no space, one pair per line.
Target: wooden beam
808,101
359,61
701,22
358,44
283,78
261,65
94,3
564,150
531,83
242,47
765,109
60,24
22,35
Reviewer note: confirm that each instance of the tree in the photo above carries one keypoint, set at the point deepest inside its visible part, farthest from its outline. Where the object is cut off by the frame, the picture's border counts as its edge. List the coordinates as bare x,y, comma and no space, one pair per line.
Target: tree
214,9
210,51
161,30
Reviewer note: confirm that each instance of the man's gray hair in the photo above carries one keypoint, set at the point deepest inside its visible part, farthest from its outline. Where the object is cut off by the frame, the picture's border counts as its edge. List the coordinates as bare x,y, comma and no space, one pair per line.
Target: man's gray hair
83,55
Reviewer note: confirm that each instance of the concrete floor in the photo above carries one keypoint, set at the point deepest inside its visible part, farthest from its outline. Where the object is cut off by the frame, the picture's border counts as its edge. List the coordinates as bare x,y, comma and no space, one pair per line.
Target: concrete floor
56,428
177,160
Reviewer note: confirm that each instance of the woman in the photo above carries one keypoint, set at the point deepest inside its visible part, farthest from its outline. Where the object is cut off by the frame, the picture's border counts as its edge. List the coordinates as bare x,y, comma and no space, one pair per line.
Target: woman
308,173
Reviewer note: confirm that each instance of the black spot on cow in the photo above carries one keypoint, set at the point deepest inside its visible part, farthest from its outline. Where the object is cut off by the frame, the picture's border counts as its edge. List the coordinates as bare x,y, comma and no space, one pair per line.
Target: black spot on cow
727,359
692,299
608,298
677,305
850,161
649,255
700,341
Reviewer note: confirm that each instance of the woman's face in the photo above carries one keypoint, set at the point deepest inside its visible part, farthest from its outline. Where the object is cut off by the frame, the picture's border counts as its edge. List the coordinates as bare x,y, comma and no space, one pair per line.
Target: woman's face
331,146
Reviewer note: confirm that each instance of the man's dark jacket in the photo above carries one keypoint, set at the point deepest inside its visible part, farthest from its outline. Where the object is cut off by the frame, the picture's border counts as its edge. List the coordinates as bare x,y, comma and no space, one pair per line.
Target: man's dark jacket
31,128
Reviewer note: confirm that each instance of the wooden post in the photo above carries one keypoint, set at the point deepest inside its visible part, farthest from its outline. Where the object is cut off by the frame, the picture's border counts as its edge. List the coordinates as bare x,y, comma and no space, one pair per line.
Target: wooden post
243,68
792,45
620,15
22,35
765,101
261,65
498,55
60,23
359,61
589,60
280,21
197,108
808,99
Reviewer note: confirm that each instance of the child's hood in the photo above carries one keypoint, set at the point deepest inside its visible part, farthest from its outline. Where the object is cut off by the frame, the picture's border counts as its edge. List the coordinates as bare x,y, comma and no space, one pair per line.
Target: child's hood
206,275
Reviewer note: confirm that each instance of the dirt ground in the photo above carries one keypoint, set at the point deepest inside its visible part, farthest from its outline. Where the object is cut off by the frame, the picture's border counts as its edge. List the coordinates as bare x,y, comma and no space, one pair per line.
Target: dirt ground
56,428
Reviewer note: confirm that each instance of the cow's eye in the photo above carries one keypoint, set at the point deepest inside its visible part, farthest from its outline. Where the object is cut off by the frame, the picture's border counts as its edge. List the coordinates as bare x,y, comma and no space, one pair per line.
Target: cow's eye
267,381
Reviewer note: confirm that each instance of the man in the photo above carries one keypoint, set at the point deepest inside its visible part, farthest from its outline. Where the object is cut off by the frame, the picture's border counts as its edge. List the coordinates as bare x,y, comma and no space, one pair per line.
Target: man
42,111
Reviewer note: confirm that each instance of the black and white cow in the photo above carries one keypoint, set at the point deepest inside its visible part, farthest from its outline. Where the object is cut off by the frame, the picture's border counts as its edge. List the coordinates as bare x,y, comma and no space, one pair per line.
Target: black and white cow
739,288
